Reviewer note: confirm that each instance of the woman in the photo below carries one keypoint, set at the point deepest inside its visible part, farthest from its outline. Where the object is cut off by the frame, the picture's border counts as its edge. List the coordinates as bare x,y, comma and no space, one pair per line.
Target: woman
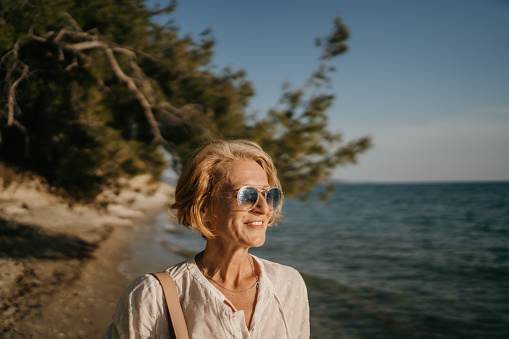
229,192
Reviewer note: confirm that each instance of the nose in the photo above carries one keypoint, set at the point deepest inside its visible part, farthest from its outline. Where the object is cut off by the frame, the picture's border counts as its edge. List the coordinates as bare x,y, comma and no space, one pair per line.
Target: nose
261,205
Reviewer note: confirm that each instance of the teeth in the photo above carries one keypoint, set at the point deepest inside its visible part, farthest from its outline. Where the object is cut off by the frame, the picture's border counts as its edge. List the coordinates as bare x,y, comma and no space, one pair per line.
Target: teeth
256,223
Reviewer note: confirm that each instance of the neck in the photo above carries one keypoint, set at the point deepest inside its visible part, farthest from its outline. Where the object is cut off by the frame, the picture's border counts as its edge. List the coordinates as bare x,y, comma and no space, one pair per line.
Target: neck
232,268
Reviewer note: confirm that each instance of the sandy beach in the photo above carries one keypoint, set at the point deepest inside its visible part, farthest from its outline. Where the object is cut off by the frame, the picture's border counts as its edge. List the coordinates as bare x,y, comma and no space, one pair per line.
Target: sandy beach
59,263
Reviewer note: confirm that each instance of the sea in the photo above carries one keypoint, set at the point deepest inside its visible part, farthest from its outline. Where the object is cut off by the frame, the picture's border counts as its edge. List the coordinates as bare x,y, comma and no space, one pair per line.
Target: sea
385,260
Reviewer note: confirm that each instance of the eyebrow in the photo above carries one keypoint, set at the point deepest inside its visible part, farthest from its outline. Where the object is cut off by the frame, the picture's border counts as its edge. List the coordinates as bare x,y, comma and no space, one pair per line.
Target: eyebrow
255,186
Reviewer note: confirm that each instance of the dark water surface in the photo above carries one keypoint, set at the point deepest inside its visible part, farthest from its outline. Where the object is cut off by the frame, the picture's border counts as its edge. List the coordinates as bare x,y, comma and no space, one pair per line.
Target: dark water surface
396,260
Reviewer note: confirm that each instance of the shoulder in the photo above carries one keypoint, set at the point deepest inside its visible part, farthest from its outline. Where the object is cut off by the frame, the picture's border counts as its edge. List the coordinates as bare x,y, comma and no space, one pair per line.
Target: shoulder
273,269
142,294
281,275
183,274
142,286
148,287
176,271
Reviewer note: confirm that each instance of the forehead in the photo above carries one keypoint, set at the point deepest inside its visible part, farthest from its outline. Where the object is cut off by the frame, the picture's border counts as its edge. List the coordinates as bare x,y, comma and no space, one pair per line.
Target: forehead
245,172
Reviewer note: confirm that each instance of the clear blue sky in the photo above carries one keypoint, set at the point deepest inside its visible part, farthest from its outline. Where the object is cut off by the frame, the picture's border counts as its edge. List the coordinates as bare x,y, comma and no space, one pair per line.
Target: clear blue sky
428,80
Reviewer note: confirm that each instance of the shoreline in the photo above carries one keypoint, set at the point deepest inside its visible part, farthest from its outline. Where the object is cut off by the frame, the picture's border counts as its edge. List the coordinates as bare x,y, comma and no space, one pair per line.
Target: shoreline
60,265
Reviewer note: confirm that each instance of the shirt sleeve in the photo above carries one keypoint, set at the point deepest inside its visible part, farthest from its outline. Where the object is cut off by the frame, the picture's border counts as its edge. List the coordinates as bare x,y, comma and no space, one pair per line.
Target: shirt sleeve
141,312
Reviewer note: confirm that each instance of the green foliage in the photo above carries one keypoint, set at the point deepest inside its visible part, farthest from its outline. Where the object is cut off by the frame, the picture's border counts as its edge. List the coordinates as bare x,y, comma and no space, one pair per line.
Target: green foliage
93,90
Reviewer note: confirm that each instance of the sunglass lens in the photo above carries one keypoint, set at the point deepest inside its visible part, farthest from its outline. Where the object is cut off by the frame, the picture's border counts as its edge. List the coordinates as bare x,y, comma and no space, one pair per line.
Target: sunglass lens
274,198
247,198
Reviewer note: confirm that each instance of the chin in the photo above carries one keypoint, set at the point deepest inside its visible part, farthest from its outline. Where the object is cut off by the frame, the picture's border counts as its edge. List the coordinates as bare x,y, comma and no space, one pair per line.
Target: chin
258,242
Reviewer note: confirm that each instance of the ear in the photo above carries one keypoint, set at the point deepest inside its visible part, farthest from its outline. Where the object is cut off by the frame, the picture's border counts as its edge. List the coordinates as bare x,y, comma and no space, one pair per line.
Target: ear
205,213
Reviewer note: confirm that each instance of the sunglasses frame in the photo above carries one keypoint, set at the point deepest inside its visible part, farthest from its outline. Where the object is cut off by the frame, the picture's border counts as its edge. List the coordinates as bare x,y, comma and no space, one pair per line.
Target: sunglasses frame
264,193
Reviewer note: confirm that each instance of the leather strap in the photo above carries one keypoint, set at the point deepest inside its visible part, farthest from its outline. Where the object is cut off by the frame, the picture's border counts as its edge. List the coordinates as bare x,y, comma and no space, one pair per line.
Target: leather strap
172,302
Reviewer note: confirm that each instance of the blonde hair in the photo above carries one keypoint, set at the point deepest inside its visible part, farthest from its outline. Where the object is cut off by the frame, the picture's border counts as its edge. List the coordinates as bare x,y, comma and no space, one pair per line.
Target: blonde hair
205,170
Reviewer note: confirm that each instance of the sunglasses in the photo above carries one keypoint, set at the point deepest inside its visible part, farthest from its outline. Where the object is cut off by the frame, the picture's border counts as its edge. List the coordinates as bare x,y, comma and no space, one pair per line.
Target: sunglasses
247,197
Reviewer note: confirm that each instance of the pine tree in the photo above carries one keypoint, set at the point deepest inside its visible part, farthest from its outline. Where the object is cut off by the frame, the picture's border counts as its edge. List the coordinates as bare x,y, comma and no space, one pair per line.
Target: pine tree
94,90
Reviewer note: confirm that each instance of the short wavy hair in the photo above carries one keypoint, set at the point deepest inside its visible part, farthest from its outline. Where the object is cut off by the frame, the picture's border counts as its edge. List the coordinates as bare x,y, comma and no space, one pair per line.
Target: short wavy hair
205,170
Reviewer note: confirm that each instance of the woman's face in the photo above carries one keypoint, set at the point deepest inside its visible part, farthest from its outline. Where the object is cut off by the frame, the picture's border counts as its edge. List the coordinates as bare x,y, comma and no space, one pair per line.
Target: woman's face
233,226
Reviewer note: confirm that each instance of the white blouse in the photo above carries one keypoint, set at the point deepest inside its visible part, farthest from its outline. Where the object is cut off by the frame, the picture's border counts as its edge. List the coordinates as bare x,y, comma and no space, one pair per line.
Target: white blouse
281,311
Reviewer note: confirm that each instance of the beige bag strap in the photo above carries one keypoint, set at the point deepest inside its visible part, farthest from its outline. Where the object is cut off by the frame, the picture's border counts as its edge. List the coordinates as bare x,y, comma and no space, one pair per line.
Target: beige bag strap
172,302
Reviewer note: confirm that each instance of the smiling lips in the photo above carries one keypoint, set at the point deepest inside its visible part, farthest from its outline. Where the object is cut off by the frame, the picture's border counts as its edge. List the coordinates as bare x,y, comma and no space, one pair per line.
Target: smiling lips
255,223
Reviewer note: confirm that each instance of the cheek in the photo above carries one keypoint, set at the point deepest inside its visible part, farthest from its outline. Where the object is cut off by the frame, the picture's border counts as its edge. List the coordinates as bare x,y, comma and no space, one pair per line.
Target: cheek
213,211
223,219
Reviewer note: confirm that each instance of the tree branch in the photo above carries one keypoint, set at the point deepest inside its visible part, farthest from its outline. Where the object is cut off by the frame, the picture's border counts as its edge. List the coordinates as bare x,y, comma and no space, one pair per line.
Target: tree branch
137,93
78,48
12,97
